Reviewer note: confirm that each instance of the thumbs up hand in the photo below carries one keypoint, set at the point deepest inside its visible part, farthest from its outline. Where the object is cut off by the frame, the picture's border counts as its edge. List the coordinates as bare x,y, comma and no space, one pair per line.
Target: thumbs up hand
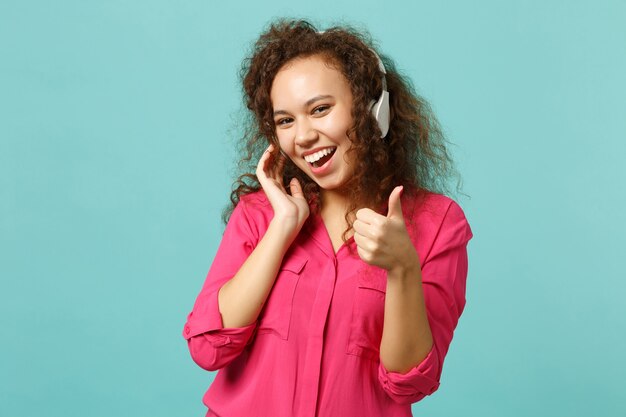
383,241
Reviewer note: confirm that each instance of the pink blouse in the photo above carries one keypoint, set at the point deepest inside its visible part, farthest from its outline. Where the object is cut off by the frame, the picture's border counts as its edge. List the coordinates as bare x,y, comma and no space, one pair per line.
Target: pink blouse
314,349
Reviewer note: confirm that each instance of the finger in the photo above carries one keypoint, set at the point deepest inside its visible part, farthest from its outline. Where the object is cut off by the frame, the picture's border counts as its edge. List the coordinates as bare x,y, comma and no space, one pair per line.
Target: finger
279,166
363,242
271,166
265,169
368,216
362,228
395,204
358,238
364,255
371,245
267,154
260,168
296,188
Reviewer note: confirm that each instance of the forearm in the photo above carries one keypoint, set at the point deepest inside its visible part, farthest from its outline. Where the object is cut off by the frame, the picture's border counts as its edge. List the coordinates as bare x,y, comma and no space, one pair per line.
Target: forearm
407,337
243,296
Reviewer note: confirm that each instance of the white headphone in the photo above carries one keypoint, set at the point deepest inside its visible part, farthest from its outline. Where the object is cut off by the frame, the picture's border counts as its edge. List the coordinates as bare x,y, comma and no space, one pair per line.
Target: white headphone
380,108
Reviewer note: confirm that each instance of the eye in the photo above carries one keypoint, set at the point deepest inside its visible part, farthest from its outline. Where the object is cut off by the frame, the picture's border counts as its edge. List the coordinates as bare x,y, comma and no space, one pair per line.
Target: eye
284,121
321,109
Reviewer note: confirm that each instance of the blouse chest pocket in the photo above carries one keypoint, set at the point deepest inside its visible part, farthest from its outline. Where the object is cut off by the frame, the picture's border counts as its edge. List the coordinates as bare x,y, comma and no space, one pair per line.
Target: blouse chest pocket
275,316
368,310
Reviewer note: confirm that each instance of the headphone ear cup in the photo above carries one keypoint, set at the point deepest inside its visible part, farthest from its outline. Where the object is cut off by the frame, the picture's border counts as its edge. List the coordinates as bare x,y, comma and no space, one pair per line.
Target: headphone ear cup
380,111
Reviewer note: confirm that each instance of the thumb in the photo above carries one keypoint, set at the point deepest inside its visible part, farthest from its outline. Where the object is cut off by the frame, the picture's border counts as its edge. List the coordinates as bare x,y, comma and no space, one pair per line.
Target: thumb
296,188
395,206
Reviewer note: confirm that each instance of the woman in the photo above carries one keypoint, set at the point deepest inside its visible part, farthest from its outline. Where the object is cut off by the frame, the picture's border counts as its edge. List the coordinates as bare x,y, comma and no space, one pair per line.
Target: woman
341,273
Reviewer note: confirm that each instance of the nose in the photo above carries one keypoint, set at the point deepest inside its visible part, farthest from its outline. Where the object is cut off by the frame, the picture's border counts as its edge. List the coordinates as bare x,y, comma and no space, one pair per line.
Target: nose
305,134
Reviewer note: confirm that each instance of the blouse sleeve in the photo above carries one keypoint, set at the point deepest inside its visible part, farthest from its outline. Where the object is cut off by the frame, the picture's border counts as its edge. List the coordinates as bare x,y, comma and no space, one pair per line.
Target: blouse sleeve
444,274
211,345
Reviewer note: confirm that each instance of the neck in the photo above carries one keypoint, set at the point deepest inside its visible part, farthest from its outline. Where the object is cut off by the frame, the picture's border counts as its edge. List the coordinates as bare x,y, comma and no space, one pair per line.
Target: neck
334,206
334,200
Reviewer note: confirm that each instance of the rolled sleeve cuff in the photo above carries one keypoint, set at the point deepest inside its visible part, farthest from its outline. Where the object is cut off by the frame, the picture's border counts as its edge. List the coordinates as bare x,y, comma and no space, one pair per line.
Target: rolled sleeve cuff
418,382
204,317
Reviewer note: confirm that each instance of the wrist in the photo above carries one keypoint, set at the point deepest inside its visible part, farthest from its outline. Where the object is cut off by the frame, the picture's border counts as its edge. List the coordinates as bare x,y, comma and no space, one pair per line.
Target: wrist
284,227
410,269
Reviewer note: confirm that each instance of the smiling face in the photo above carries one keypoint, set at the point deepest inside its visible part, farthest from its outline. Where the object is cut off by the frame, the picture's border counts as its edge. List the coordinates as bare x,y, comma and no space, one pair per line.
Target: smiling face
312,105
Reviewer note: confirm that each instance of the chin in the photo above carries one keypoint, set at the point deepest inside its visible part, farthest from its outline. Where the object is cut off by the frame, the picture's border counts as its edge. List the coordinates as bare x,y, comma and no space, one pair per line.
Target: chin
330,186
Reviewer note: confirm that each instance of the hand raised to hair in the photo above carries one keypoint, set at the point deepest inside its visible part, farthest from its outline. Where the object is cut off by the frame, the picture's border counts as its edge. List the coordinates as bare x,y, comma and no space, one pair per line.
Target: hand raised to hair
384,241
290,209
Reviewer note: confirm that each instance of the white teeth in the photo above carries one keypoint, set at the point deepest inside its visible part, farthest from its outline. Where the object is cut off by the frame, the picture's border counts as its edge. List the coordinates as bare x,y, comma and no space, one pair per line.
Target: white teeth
318,155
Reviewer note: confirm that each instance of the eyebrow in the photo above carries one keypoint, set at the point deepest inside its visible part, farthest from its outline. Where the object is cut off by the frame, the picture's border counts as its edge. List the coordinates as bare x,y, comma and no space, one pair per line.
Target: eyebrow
307,104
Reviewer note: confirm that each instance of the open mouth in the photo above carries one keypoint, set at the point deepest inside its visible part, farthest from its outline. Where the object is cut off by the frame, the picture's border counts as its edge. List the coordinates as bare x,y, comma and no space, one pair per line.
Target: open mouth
319,158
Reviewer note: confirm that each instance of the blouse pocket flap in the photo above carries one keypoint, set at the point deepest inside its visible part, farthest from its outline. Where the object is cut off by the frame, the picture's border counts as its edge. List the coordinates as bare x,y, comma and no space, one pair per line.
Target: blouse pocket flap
294,264
373,280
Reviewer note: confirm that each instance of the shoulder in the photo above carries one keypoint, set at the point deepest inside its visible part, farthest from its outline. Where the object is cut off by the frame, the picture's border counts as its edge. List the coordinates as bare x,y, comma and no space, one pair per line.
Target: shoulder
436,221
256,201
255,210
431,208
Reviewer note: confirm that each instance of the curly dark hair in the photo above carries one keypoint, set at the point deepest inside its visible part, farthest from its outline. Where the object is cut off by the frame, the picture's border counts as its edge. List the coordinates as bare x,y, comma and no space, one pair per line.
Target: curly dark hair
412,154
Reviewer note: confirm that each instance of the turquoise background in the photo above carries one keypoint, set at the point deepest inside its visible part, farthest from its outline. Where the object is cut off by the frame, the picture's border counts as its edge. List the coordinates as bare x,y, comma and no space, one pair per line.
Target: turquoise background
116,127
